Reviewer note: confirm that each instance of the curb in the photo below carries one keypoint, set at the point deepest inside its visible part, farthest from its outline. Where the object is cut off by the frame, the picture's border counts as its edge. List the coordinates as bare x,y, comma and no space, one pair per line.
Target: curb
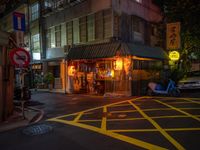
37,117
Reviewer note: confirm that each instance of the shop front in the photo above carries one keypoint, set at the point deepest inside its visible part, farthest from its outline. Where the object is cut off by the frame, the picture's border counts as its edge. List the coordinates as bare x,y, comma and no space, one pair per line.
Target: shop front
111,69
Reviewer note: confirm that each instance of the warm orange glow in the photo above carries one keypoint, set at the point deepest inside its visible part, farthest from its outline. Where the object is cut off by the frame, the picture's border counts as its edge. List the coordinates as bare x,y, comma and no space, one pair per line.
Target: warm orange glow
71,70
112,73
127,64
118,64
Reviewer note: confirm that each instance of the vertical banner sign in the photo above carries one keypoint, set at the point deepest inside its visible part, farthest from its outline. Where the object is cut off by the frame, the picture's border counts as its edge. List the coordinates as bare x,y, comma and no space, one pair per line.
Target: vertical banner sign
19,27
19,21
173,36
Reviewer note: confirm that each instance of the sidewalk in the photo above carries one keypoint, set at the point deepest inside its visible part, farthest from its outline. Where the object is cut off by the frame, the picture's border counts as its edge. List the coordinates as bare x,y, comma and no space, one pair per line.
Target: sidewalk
32,115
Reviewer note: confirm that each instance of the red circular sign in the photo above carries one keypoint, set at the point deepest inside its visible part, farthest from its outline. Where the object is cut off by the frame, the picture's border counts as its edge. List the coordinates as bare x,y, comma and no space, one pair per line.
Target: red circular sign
19,57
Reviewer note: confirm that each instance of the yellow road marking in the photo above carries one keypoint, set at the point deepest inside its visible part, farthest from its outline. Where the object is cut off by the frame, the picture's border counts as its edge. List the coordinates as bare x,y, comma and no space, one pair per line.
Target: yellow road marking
122,111
78,117
124,138
130,119
88,110
103,123
155,130
95,120
179,102
120,105
135,130
183,129
164,133
179,110
187,99
156,109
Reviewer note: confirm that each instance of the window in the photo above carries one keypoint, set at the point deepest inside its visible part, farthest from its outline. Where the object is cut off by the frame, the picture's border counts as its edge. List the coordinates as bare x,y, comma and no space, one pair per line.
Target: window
90,28
48,38
34,11
76,36
36,47
58,36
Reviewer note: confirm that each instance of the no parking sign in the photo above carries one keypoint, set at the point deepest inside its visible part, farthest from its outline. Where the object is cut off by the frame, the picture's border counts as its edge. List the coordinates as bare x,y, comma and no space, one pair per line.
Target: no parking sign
19,57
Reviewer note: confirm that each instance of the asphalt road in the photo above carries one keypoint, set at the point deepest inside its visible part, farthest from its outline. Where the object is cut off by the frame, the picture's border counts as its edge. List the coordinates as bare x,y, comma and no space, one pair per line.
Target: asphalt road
96,123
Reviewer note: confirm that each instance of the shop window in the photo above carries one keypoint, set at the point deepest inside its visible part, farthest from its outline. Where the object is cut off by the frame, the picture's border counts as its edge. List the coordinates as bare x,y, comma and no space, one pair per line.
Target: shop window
104,70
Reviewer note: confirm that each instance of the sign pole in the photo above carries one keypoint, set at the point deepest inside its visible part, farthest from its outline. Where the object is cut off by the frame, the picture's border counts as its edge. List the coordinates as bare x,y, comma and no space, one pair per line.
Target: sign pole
22,93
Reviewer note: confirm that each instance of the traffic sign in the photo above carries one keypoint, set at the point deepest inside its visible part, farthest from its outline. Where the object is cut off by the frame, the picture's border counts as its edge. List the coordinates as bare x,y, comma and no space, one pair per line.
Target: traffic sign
19,21
19,57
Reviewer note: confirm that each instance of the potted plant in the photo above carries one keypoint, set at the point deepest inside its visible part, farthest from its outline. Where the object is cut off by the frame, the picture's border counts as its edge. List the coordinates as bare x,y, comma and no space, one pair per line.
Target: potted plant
49,79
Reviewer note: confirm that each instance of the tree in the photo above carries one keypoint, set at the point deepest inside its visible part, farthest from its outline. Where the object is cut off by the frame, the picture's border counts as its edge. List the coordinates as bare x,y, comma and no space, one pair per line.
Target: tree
187,12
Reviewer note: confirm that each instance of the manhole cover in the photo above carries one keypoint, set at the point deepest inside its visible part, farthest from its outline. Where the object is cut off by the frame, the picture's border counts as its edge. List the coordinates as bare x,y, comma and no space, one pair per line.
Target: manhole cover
37,129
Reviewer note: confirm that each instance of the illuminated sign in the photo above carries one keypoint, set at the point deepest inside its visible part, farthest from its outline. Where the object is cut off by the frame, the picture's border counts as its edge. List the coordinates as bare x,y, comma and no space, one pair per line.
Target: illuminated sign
174,55
173,35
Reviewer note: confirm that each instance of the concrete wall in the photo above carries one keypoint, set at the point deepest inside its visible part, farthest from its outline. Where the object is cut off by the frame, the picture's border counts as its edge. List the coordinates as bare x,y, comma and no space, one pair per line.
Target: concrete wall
146,10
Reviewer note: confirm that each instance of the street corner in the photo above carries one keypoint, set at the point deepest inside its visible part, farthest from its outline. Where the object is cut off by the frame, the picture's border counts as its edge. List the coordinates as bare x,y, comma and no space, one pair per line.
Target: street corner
146,122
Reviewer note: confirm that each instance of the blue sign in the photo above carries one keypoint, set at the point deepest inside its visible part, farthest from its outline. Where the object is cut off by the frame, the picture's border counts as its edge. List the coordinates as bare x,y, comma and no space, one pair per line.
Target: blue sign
19,21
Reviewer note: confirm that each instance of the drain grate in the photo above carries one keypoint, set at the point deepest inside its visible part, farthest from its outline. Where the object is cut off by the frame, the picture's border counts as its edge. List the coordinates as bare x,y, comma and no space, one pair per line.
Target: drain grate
37,129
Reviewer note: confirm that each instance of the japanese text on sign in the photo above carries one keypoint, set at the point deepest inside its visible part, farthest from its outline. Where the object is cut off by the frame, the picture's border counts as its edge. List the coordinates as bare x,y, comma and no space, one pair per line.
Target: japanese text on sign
173,35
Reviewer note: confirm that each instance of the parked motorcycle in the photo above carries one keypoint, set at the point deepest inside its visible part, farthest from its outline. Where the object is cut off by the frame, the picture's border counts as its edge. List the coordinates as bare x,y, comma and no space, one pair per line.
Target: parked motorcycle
158,89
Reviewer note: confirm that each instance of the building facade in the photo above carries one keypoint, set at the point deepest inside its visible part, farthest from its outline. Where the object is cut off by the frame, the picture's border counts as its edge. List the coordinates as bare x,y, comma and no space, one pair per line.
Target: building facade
102,46
93,46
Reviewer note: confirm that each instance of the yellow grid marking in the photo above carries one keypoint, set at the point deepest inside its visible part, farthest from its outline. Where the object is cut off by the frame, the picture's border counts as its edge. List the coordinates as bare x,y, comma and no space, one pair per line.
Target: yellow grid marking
111,133
124,138
156,130
103,123
164,133
179,102
135,130
119,105
179,110
127,111
187,99
88,110
78,117
122,111
130,119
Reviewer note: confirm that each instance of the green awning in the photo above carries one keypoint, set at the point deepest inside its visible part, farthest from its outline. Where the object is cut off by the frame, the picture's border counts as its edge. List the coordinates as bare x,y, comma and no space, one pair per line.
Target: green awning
144,51
108,50
103,50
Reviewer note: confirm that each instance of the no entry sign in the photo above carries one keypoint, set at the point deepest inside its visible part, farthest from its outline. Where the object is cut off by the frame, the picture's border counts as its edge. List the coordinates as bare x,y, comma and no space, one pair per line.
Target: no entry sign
19,57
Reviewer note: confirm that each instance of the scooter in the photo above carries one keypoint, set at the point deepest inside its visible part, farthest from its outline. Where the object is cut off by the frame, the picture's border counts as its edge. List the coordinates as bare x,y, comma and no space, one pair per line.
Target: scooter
158,89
